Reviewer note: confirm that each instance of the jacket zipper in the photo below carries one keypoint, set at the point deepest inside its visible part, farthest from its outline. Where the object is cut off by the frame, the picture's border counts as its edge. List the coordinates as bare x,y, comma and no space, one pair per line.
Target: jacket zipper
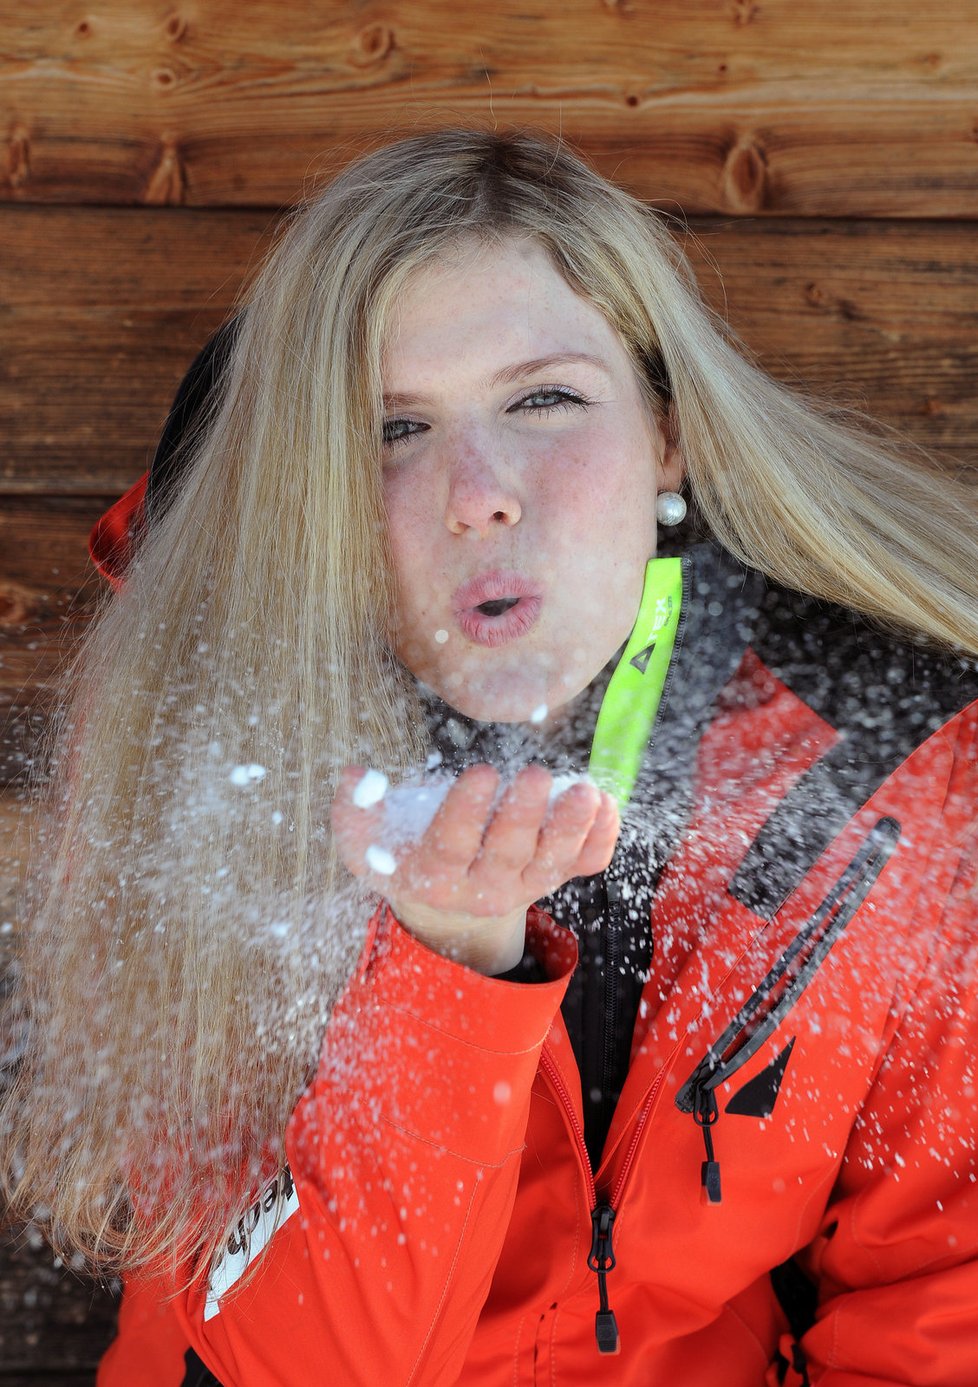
768,1005
613,891
601,1259
613,915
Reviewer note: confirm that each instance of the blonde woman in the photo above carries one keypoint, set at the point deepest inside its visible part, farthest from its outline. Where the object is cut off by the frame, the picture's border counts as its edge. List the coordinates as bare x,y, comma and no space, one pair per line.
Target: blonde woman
475,945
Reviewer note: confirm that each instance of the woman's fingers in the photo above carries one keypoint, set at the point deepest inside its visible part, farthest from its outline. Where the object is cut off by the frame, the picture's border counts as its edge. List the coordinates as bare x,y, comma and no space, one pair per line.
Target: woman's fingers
511,840
599,845
354,829
562,836
473,856
569,823
454,836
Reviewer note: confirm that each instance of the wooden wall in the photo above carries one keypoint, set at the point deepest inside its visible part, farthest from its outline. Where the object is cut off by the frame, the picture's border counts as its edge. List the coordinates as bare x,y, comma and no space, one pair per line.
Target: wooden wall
825,156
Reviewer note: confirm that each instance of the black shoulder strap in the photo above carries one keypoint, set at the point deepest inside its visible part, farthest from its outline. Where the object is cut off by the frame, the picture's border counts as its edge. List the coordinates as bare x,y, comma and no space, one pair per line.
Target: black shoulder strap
190,399
883,695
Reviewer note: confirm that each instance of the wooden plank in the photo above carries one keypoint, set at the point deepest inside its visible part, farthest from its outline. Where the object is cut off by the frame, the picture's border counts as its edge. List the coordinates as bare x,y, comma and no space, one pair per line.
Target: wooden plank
89,365
881,314
48,589
54,1325
16,818
727,105
878,316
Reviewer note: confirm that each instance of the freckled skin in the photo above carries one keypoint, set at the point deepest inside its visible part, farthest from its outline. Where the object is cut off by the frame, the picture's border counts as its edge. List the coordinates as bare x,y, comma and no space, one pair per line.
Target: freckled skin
563,495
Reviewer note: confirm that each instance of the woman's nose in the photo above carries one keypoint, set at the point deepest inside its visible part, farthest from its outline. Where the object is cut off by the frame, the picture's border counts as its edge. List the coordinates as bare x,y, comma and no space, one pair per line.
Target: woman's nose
480,496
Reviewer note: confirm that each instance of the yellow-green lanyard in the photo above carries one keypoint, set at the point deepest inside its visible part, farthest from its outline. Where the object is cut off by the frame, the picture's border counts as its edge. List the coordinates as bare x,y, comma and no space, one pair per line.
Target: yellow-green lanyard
631,702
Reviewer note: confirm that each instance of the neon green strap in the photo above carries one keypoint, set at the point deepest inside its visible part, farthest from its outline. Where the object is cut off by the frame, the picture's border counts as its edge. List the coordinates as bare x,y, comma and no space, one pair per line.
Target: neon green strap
631,701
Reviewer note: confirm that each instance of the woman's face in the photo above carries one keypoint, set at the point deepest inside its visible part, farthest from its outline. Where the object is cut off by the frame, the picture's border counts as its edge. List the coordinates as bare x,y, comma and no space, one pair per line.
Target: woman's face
520,493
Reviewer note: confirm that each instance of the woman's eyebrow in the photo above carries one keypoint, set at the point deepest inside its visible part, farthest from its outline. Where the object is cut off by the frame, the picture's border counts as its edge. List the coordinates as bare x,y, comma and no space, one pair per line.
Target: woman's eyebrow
509,374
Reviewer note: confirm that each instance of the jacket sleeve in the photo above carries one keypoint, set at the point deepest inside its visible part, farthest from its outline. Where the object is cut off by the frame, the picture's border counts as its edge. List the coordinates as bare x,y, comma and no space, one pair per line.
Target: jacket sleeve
381,1238
896,1260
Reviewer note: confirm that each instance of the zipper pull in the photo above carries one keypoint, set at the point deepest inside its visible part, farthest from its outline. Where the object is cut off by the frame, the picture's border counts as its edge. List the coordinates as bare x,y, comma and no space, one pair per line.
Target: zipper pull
601,1260
705,1114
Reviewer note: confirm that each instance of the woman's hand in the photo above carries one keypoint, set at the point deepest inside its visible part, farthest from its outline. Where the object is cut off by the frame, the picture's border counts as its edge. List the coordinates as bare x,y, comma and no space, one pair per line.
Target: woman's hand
464,886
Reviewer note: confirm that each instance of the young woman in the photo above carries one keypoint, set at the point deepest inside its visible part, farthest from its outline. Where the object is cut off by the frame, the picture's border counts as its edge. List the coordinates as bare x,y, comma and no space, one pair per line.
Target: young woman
660,1074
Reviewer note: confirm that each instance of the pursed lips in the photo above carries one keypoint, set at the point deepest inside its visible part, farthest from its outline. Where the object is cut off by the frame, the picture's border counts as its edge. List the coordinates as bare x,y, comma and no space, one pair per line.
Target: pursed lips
496,607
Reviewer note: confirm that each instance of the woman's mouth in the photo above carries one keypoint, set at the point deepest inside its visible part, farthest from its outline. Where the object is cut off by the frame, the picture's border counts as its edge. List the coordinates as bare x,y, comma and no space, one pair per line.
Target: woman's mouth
496,607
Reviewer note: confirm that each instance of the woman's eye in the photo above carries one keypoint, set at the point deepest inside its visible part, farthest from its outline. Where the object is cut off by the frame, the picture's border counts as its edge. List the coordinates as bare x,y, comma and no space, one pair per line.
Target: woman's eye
559,399
549,398
391,439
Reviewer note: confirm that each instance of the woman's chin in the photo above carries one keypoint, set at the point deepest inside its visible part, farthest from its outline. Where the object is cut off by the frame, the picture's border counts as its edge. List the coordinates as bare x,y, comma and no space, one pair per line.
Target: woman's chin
496,710
507,699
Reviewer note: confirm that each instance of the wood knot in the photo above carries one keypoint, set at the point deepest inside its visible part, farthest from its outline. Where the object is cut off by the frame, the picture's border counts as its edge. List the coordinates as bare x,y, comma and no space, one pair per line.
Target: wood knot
83,29
18,156
373,44
745,12
167,185
164,78
176,27
850,310
17,604
745,176
834,303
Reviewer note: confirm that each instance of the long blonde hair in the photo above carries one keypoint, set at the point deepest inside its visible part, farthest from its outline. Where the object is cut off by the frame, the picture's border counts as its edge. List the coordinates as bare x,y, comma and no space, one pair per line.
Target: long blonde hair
177,974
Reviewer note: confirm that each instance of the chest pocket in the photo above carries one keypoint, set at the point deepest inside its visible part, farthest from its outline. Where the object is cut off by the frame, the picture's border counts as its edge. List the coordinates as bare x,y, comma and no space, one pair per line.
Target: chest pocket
771,1001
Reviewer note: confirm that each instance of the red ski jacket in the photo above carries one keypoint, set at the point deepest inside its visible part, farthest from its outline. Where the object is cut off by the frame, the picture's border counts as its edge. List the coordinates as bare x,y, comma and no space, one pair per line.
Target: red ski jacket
801,1084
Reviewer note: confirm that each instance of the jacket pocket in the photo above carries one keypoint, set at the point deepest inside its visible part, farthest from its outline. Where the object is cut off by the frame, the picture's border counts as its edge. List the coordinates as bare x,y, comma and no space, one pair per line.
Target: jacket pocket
770,1002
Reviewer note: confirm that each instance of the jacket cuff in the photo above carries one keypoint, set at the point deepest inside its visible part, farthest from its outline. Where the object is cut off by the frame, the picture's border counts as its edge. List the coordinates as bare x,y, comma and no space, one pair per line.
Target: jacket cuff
460,1001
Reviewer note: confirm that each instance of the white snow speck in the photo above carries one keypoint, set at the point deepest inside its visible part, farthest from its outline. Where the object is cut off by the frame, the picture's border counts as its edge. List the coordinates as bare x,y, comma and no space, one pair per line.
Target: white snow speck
379,860
370,789
502,1092
244,775
441,637
539,713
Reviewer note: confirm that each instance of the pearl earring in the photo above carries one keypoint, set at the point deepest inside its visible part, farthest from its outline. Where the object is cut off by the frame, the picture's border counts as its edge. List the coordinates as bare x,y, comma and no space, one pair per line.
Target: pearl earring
670,508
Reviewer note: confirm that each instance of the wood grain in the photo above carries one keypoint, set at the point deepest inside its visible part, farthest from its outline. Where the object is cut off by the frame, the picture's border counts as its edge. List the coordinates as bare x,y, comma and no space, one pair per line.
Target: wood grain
48,590
16,818
757,106
878,316
103,311
52,1320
